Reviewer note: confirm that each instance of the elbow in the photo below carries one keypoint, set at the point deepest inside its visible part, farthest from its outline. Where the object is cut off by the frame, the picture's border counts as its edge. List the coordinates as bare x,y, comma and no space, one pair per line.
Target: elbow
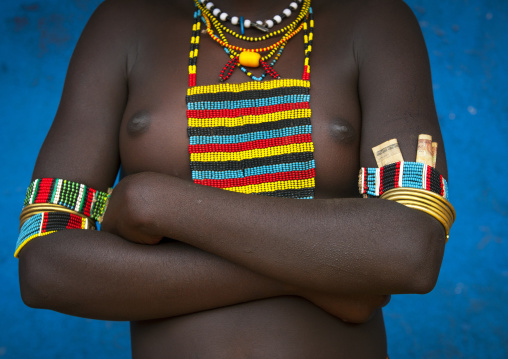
424,258
33,283
30,292
425,281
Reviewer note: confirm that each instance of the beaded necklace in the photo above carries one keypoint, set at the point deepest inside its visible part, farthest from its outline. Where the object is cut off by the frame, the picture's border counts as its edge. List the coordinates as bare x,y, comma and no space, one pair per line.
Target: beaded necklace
249,57
218,25
252,137
246,23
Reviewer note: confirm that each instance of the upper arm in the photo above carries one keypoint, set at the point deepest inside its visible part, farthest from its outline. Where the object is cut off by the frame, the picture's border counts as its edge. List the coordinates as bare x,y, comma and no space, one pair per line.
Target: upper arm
395,85
82,144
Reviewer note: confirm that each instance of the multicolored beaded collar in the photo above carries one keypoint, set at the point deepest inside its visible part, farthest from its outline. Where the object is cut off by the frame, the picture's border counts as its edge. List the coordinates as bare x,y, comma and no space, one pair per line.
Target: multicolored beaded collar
253,137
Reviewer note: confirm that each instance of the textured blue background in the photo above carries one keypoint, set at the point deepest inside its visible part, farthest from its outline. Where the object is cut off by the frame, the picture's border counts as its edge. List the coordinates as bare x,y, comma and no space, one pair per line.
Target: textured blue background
464,317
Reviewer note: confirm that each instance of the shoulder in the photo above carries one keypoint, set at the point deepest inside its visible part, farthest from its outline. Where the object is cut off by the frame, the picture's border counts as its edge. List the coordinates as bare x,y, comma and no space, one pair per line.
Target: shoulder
368,24
368,18
379,12
381,24
129,17
362,11
117,27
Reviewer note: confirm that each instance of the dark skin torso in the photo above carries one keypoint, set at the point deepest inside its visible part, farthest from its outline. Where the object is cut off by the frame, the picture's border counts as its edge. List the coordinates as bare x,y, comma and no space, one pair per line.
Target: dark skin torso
362,93
161,72
282,327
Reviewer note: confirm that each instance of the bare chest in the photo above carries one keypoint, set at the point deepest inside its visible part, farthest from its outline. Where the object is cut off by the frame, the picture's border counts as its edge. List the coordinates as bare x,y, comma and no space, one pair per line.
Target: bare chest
154,136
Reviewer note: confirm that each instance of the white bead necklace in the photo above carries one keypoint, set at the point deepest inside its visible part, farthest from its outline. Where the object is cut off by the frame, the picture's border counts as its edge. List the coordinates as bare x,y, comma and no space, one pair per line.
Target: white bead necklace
264,26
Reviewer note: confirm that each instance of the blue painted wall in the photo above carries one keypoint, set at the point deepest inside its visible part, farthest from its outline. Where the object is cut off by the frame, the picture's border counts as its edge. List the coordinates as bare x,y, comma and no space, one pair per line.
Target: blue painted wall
464,317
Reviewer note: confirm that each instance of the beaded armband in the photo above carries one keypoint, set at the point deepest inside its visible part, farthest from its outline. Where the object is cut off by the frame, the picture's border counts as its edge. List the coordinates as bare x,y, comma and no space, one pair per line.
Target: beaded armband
373,182
75,196
44,223
53,204
412,184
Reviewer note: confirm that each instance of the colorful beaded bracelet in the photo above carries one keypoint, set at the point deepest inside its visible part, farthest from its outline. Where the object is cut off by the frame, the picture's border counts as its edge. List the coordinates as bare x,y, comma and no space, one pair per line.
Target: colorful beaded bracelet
42,224
74,196
373,182
53,204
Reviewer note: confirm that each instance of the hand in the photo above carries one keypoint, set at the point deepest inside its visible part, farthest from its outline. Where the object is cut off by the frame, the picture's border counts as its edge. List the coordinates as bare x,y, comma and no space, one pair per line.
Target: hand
350,309
128,211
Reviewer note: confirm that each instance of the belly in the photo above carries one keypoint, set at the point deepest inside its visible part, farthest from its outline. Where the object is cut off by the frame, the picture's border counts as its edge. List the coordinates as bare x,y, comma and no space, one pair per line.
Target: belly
284,327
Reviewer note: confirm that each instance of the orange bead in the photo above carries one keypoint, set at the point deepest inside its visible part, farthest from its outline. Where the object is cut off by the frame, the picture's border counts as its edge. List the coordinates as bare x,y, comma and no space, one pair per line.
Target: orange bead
249,59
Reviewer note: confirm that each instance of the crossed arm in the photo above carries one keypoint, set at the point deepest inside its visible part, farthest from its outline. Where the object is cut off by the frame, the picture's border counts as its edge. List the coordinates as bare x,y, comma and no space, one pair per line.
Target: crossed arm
344,255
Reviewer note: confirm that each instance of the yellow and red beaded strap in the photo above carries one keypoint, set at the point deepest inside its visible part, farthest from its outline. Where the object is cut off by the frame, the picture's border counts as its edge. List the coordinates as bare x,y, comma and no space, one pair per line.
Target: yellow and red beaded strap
193,55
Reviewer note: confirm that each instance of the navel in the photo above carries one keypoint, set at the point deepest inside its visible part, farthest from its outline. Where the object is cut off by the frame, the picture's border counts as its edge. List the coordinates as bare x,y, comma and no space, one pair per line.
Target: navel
342,131
139,123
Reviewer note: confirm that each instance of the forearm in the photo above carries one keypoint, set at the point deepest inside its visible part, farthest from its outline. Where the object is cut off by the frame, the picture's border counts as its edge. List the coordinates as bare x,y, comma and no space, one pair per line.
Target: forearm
99,275
348,246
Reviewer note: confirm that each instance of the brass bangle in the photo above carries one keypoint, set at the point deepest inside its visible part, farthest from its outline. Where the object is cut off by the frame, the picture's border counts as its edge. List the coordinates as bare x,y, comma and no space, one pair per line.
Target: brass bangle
425,201
415,204
424,196
33,209
429,210
422,193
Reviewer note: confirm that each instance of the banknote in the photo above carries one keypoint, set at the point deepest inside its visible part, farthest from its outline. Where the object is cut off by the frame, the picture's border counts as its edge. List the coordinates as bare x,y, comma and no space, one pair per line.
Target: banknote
424,151
434,154
387,152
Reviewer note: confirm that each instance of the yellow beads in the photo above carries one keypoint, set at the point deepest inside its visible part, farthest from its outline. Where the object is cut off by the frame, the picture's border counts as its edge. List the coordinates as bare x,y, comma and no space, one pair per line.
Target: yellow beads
249,59
254,153
247,86
274,186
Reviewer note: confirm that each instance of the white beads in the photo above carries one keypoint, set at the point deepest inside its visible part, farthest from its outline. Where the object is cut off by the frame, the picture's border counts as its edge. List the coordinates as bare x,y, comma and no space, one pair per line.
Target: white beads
259,24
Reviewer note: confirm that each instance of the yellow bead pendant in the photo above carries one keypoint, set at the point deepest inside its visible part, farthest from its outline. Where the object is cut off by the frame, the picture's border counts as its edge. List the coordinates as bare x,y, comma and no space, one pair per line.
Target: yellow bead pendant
249,59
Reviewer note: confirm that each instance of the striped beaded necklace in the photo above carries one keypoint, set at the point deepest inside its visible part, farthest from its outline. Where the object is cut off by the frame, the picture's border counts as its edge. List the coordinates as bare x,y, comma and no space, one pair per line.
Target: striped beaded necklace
252,137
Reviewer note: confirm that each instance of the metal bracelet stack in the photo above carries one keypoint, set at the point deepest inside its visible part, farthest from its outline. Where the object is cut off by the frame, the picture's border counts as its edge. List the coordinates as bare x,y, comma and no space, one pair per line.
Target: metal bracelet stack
425,201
